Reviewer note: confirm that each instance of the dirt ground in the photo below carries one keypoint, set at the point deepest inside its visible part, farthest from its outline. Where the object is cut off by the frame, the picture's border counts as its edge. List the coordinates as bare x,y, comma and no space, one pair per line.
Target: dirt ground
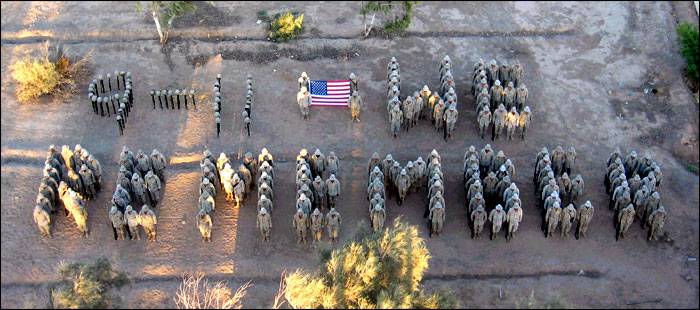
586,66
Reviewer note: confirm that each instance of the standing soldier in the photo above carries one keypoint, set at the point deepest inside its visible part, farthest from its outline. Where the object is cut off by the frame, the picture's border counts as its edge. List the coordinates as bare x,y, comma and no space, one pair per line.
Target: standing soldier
552,217
624,219
425,96
450,120
584,217
568,215
524,121
332,163
42,218
396,120
577,186
403,183
353,82
88,180
656,220
496,94
148,220
333,221
438,112
204,224
132,220
355,106
333,190
319,191
317,225
318,163
264,223
521,96
153,186
304,101
497,217
437,219
378,216
499,121
138,188
516,74
299,222
514,216
484,121
117,219
158,163
303,80
512,122
509,95
478,217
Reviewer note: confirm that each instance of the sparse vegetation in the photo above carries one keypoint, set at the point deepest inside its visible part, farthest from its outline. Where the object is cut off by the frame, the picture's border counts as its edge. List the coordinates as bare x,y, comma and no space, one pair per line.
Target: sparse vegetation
395,24
195,292
88,286
166,12
381,270
693,168
555,302
283,26
52,72
690,49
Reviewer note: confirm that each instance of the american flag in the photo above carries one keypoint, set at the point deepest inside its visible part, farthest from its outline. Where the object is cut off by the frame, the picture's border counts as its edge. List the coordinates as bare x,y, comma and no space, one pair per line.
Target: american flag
330,92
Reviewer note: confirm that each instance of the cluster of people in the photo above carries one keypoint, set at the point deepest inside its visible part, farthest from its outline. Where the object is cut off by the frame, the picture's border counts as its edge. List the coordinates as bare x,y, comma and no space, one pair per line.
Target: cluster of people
247,114
265,189
436,191
633,184
166,95
441,104
216,104
303,96
70,176
376,189
314,193
501,99
489,183
138,183
554,189
101,97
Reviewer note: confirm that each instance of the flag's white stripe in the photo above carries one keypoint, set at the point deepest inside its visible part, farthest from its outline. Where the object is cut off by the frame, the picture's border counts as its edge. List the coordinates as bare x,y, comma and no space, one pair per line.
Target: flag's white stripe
338,87
330,104
330,99
332,96
336,93
338,83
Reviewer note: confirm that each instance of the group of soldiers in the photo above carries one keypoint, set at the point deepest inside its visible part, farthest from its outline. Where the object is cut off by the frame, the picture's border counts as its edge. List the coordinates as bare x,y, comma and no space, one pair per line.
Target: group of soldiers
500,107
70,176
303,96
101,98
216,104
441,104
633,184
314,193
166,95
554,188
493,191
138,183
247,114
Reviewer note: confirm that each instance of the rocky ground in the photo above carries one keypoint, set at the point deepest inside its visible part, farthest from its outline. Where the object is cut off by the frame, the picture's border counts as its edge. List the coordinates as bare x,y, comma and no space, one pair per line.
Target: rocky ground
586,66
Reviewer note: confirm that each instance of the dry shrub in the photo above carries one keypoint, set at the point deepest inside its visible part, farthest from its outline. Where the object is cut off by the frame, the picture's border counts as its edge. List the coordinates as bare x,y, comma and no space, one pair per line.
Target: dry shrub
195,292
53,73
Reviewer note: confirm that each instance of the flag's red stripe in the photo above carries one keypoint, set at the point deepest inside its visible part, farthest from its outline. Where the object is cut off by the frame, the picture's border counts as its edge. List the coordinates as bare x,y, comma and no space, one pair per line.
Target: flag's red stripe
337,81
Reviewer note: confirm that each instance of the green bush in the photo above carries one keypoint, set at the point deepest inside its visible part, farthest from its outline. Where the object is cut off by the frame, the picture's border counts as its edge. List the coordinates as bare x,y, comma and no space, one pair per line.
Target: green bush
285,26
87,286
382,270
688,36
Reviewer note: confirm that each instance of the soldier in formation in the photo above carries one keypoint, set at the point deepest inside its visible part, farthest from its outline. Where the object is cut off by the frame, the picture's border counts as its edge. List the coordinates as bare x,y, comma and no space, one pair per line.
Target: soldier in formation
633,185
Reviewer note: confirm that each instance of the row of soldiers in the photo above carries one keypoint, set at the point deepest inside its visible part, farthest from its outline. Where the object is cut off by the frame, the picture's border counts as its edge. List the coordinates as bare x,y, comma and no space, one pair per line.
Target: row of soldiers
265,193
101,97
216,104
303,96
317,195
376,192
166,95
500,108
633,184
68,176
138,183
247,113
552,184
497,190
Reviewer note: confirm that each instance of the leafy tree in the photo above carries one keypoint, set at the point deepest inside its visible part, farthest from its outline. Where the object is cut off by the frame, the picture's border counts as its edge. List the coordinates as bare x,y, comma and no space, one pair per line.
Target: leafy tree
396,23
283,26
688,35
87,286
166,12
377,270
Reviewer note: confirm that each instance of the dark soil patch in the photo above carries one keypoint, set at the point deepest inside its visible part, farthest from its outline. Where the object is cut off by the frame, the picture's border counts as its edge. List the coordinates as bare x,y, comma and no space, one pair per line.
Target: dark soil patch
206,15
270,54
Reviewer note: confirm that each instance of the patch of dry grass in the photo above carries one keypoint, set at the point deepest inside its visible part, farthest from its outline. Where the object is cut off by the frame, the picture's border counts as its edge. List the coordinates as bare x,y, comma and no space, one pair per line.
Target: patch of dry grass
195,292
53,73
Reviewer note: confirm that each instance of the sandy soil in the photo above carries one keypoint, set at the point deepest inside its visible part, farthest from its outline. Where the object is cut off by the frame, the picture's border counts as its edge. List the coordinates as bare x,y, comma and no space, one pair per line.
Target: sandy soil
586,65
